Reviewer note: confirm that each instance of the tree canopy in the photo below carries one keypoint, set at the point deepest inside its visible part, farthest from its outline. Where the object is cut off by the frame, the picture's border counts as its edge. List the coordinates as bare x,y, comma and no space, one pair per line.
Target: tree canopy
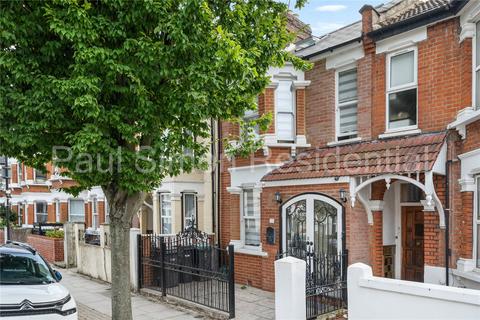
122,83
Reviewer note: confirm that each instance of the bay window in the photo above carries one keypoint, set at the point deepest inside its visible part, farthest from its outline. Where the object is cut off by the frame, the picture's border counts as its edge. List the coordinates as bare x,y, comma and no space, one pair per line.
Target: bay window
402,90
251,218
285,111
346,104
476,219
166,213
41,215
189,210
76,210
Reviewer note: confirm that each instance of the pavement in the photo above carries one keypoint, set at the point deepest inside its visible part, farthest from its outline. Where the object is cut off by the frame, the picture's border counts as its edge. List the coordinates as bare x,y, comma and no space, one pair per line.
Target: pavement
93,301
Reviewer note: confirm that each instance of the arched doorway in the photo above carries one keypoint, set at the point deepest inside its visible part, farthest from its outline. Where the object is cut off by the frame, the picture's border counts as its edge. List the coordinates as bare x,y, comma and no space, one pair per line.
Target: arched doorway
312,219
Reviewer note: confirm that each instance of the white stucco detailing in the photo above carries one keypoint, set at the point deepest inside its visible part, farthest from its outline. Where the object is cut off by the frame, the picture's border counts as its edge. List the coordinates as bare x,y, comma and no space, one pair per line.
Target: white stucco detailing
464,118
470,166
240,176
401,41
344,58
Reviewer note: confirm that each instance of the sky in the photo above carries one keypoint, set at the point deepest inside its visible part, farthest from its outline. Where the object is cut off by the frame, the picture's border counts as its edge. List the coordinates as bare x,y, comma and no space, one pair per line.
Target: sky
324,16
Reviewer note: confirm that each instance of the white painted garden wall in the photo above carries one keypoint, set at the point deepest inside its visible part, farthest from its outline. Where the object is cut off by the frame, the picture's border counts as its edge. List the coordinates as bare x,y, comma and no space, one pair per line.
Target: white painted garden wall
372,297
95,261
290,289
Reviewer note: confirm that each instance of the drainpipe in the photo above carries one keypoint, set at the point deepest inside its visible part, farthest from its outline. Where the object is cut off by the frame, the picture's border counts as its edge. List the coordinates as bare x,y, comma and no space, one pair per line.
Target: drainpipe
447,221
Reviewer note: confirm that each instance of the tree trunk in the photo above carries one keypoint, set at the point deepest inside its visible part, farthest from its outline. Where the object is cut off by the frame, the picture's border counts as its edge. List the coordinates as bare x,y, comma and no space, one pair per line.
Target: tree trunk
122,208
120,243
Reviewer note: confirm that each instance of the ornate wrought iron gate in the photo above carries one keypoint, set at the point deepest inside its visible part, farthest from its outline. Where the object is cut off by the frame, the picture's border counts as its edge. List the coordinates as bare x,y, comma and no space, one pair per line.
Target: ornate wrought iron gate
188,266
326,279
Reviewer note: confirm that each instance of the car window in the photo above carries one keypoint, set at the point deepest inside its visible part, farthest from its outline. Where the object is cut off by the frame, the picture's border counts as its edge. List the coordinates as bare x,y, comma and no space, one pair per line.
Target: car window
24,269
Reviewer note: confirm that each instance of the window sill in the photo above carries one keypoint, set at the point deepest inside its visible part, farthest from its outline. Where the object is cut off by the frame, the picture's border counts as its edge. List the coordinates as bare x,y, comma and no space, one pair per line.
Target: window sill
470,275
392,134
287,144
252,252
240,248
342,142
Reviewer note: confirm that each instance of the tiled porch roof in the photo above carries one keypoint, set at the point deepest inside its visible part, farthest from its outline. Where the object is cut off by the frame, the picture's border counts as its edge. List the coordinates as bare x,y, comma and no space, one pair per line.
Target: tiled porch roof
399,155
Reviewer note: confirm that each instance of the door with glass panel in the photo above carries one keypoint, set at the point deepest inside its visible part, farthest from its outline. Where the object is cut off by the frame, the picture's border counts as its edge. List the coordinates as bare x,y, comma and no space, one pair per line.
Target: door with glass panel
312,222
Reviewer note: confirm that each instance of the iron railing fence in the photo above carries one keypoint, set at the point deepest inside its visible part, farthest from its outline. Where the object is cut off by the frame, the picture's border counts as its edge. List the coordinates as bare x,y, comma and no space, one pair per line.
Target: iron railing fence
188,266
325,281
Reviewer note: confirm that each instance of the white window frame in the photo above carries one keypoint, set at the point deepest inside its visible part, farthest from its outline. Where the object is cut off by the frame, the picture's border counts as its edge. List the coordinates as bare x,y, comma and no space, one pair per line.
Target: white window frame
475,68
56,203
257,216
20,213
35,176
106,208
294,112
195,213
476,223
36,208
162,215
69,209
20,176
95,214
338,104
389,90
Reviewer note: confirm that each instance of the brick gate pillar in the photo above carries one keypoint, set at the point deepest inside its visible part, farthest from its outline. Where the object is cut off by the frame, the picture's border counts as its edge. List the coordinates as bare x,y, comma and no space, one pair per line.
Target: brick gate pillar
376,243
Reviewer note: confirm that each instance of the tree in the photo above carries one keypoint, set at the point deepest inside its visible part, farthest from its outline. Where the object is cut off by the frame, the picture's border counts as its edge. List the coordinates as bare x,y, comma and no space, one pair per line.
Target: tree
114,91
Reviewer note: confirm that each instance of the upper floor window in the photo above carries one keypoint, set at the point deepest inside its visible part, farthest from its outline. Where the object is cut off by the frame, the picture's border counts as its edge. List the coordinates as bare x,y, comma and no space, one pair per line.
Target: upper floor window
346,104
76,211
285,111
251,115
251,218
476,61
19,172
40,176
189,209
402,90
41,215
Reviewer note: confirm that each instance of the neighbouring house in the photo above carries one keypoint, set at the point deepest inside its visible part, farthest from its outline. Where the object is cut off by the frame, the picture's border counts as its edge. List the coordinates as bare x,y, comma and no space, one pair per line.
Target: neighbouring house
36,198
374,152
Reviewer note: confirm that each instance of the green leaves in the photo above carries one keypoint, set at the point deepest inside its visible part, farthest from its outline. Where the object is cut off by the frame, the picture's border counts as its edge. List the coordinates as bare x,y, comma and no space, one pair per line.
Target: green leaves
120,82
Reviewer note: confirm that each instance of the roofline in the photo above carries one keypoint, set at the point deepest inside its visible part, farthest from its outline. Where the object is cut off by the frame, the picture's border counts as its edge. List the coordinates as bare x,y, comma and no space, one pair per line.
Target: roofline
358,39
429,17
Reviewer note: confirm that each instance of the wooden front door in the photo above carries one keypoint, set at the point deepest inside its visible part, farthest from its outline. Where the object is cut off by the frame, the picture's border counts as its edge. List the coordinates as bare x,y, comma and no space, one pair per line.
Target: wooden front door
412,244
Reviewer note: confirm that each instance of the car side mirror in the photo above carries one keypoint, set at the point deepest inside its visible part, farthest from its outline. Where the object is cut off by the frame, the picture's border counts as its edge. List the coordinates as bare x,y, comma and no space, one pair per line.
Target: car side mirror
58,275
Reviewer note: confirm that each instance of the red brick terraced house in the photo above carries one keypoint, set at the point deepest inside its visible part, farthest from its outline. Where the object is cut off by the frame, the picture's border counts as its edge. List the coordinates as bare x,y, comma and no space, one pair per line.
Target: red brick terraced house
375,151
36,198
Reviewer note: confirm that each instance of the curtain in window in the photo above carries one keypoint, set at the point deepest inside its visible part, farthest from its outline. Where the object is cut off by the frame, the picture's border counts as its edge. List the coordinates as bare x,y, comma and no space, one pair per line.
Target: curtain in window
77,211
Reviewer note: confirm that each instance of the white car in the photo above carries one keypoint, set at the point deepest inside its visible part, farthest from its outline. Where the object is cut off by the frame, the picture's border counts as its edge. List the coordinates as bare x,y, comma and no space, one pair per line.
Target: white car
29,287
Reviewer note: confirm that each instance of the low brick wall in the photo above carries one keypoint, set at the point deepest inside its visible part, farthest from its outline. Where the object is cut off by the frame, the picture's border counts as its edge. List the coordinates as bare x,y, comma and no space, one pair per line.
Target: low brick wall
50,248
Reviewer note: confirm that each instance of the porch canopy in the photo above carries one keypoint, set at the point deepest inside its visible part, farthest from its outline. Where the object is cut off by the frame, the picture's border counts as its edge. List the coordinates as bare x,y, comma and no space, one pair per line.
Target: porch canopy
413,159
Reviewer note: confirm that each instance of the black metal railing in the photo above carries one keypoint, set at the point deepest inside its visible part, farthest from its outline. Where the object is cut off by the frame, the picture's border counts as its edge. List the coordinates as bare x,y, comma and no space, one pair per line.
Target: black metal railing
188,266
325,281
41,228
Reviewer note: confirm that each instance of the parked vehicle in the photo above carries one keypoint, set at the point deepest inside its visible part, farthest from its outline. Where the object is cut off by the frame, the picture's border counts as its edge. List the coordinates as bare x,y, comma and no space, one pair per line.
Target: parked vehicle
29,287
